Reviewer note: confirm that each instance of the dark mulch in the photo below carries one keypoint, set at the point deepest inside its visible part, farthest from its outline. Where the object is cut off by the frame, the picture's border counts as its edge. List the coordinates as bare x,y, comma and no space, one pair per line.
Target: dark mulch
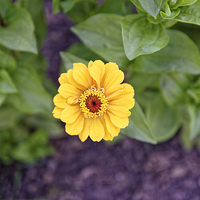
130,170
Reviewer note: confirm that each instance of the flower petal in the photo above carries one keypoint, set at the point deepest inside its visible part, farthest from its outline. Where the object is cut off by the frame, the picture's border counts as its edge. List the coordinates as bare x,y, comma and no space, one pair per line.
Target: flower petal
81,76
67,90
113,89
63,78
95,73
79,65
76,127
72,81
83,135
57,112
120,122
128,90
119,110
113,78
72,100
60,101
115,95
101,66
127,102
70,114
112,129
96,130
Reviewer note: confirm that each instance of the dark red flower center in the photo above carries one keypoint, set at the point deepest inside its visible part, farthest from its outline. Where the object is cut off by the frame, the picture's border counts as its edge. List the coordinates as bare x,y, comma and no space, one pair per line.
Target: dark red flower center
93,103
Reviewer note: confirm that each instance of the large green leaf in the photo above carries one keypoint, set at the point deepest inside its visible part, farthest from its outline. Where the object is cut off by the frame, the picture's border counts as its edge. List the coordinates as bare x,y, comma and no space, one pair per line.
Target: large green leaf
153,7
31,97
163,120
38,18
68,59
171,90
102,34
2,99
138,127
120,7
190,14
6,61
79,50
141,37
78,10
6,84
176,56
138,5
17,31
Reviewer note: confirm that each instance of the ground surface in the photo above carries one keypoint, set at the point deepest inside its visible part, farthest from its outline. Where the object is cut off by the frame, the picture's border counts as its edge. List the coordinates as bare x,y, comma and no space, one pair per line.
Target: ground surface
129,170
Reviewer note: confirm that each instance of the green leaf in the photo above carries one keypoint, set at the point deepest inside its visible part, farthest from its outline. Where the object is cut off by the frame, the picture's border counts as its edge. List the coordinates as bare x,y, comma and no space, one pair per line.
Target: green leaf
8,118
180,3
82,9
68,59
163,120
153,7
138,5
4,6
31,97
138,127
194,121
176,56
6,84
190,14
17,33
56,6
79,50
101,33
6,61
171,90
185,136
2,99
38,19
142,37
168,14
120,7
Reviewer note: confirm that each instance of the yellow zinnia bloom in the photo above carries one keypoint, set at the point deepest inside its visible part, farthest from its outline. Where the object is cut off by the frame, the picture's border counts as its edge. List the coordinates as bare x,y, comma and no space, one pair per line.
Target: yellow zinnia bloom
93,102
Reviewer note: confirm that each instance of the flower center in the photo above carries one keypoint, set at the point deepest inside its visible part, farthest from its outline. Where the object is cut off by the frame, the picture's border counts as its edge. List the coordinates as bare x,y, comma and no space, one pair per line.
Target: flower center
93,103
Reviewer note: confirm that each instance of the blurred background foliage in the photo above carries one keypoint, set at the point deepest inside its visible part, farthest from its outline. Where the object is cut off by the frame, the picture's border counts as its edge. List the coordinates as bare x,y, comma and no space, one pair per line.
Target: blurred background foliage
164,73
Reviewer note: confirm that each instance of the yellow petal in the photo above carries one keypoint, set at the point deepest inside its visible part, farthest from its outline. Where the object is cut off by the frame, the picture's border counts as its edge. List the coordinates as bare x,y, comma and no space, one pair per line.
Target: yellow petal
127,102
72,100
60,101
101,66
113,78
72,81
67,90
113,89
115,95
76,127
81,76
120,122
63,78
96,130
128,90
112,129
95,73
119,110
70,114
79,65
57,112
83,135
90,64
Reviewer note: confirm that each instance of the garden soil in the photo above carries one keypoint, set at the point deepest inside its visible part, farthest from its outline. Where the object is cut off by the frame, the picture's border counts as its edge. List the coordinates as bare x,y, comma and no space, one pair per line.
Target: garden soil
128,170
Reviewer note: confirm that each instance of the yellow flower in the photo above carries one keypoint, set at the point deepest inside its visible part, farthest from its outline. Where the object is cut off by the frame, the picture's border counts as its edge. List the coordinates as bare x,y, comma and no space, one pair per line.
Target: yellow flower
93,102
